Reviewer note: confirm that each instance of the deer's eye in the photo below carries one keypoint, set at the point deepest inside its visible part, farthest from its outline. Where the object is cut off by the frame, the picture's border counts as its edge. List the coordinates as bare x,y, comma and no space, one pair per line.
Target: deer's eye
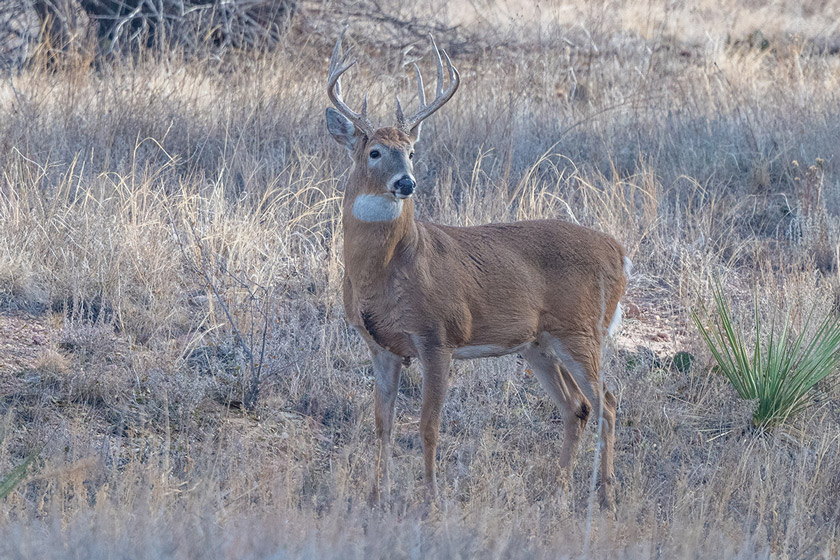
374,154
411,155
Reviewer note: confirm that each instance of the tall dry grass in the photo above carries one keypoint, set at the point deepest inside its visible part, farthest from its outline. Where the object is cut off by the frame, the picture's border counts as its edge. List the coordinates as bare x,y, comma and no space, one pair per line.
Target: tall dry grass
126,187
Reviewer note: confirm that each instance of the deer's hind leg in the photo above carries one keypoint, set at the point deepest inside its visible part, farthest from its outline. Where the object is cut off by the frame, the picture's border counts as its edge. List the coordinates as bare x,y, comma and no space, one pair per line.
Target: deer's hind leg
573,404
581,356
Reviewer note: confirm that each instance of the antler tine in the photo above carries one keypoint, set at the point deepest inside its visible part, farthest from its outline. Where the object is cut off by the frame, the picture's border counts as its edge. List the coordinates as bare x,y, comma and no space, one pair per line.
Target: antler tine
336,70
442,95
364,111
421,98
453,73
400,115
336,59
421,94
439,87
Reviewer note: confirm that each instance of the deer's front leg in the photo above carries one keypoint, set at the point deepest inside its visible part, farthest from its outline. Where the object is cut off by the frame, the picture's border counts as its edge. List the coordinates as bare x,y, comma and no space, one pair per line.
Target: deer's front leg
435,361
386,370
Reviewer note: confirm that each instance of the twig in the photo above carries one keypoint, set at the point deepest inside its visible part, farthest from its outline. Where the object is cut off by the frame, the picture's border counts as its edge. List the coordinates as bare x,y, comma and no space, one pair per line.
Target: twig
255,366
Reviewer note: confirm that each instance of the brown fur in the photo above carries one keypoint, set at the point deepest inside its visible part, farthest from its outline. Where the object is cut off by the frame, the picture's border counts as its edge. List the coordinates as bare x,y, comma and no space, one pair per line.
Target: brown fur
545,288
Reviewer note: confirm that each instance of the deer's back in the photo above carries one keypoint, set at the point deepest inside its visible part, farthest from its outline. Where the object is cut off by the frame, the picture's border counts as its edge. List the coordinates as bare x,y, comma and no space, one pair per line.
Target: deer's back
552,249
541,274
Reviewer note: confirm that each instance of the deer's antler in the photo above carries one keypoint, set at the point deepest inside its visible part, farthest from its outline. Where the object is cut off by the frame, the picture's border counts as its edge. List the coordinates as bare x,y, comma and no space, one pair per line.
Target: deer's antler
339,66
441,95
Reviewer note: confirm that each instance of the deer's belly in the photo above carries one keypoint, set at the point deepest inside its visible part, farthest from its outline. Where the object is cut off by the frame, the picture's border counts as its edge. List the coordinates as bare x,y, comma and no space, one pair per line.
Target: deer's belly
486,351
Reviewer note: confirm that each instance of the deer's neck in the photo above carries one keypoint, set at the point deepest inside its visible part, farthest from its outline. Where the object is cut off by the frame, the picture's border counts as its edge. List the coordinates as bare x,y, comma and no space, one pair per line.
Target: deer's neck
378,232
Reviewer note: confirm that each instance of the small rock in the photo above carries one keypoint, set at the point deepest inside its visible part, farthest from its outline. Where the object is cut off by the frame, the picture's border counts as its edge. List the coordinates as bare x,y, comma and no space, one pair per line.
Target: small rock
632,311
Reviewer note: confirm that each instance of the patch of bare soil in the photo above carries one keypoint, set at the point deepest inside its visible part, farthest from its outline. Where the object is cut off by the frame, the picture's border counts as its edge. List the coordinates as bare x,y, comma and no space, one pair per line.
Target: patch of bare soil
647,328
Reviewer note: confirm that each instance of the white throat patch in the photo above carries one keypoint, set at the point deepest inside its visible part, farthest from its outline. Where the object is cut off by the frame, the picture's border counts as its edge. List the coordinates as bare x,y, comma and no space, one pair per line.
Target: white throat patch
377,208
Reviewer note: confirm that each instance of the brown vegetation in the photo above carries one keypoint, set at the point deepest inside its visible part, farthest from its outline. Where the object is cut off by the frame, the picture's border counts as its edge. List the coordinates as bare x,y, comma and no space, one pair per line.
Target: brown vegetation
149,205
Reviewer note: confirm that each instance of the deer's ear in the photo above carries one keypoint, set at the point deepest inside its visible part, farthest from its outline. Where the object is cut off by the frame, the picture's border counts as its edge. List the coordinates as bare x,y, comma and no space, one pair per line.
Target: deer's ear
342,129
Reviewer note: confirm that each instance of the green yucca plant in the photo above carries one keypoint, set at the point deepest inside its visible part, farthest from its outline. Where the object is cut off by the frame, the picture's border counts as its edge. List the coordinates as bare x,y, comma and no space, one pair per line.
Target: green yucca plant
780,367
9,482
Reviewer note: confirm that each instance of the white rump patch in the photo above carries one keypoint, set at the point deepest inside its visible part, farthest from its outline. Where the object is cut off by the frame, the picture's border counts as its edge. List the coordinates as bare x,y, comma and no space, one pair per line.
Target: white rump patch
485,351
377,208
616,321
628,268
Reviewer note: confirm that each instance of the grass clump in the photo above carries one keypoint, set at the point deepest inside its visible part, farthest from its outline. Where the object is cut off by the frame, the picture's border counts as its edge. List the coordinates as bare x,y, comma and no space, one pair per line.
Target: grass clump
779,367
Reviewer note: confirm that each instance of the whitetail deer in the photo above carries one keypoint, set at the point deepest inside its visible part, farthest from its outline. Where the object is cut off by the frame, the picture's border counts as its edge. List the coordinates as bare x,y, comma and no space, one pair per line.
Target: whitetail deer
546,289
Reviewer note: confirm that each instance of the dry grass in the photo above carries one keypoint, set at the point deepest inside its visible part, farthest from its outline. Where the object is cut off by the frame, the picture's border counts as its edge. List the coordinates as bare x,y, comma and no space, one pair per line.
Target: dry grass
671,129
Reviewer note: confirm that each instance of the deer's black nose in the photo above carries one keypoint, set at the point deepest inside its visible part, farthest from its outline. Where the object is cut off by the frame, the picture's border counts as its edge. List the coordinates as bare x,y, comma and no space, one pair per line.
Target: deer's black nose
405,186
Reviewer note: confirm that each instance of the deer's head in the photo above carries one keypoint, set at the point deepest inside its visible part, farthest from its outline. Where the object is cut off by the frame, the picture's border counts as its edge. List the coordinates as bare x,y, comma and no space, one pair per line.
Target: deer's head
382,157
